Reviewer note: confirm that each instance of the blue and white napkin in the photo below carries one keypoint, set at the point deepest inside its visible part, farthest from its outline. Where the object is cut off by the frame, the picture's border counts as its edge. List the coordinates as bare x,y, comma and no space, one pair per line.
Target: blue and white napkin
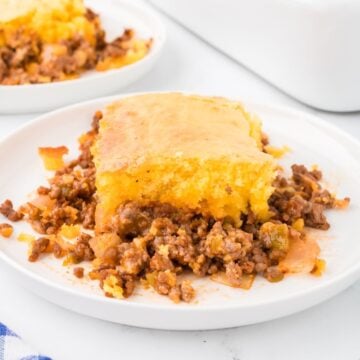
13,348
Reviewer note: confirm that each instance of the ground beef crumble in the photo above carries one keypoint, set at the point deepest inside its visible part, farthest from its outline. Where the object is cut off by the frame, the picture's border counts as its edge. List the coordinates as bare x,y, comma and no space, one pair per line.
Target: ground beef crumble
7,209
79,272
38,247
157,244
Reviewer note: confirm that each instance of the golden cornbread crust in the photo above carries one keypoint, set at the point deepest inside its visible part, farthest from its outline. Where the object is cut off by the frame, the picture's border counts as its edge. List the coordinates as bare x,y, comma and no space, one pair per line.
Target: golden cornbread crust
156,244
176,125
201,153
43,41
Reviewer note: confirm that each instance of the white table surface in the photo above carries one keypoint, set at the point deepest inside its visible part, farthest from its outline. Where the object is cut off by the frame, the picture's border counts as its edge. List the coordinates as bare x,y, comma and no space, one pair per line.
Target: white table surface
327,331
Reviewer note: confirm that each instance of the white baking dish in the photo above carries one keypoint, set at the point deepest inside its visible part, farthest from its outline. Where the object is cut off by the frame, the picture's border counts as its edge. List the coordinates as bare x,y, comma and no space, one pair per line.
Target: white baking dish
309,49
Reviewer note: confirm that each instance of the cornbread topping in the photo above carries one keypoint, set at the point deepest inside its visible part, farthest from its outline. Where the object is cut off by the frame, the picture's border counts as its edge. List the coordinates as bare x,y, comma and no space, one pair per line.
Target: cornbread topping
43,41
171,148
147,241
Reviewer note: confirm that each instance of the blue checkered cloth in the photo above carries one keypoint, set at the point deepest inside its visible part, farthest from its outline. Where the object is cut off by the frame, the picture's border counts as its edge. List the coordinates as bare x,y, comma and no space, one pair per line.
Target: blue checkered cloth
13,348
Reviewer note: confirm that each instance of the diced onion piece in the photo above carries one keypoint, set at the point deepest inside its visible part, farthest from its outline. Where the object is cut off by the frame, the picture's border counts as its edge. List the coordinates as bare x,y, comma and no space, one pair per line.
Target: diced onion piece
301,256
43,202
53,157
245,282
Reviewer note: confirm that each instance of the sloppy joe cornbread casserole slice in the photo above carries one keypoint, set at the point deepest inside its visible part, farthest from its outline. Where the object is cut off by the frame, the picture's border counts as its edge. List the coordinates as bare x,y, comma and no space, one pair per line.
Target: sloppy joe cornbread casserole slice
43,41
192,152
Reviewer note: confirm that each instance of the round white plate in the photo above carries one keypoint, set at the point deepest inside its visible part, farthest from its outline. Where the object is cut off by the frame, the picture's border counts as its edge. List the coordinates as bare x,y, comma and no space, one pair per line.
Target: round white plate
115,16
216,306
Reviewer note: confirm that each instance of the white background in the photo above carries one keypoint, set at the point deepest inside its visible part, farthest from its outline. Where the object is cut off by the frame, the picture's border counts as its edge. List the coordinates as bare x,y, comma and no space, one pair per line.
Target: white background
328,331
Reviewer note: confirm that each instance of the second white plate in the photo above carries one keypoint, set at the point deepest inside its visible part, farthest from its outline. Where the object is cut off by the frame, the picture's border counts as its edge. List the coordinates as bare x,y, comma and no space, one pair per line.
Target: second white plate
115,16
216,306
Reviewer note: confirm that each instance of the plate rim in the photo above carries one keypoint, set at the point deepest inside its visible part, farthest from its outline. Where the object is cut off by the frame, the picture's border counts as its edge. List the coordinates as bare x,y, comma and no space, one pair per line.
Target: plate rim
352,271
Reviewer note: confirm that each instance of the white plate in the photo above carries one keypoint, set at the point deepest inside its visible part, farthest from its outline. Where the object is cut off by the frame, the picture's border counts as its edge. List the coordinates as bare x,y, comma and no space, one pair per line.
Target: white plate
115,16
217,306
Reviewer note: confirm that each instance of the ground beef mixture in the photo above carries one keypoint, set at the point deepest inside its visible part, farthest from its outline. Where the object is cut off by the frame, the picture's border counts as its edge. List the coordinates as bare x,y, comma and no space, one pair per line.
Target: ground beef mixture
70,197
7,209
156,245
302,197
25,59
